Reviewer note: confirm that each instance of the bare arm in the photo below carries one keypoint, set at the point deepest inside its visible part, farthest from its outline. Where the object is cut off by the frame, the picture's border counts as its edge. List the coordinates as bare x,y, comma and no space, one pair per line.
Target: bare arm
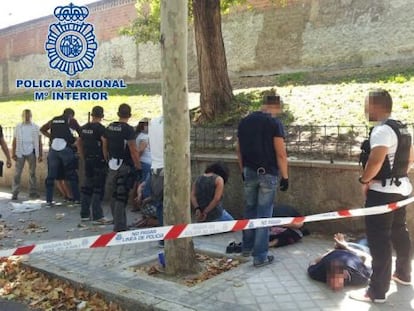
40,149
45,129
6,152
14,157
239,157
375,160
133,149
105,148
193,196
281,156
79,145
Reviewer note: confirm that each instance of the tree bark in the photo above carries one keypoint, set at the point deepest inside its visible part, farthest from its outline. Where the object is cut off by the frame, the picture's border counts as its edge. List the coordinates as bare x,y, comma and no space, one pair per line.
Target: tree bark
179,254
216,93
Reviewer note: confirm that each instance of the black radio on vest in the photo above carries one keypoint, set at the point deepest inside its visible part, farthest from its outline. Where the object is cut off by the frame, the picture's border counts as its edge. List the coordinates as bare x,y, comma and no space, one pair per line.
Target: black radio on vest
400,166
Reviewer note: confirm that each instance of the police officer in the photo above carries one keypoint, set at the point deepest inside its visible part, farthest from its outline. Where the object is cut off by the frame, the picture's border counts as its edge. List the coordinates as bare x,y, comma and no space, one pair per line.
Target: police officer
385,180
122,154
61,153
90,149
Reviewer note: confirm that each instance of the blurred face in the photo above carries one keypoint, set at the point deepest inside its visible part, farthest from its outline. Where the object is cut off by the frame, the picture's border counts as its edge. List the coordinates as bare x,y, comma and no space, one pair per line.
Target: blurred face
27,116
370,109
273,110
143,127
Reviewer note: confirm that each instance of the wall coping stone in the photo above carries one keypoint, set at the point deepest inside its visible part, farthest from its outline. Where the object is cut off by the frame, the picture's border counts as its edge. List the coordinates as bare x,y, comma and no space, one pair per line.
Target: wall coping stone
343,165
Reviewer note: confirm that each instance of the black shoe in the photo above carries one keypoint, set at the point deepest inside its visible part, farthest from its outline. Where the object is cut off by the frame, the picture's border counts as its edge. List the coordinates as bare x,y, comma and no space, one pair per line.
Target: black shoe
230,248
14,197
238,248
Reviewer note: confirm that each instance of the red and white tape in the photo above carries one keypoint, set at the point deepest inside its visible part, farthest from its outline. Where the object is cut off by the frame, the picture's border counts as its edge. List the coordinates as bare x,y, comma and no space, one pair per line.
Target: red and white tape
192,230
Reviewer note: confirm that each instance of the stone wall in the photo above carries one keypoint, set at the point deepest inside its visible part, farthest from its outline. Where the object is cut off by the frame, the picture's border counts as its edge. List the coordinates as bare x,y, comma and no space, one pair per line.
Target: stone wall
268,39
315,187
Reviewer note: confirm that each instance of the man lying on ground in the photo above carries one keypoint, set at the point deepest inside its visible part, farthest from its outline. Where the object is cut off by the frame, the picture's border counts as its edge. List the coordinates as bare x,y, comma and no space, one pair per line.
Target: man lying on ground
346,264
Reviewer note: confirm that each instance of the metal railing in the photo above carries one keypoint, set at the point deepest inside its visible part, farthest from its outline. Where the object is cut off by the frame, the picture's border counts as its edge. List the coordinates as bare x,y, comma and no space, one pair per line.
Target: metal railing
310,141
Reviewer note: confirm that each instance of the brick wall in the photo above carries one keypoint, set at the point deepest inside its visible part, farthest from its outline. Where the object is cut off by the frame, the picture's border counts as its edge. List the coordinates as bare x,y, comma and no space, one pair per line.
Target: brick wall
24,39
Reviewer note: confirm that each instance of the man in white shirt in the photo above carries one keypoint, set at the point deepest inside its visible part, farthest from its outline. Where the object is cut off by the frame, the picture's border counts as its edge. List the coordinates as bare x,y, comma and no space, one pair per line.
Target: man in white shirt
385,180
156,141
26,146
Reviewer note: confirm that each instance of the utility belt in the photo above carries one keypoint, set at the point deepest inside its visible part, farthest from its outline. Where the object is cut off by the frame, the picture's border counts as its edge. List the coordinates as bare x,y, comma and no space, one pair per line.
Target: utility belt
262,170
392,180
94,157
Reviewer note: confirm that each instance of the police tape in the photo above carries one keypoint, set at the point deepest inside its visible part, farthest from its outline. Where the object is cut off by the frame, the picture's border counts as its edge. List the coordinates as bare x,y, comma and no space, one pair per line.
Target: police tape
192,230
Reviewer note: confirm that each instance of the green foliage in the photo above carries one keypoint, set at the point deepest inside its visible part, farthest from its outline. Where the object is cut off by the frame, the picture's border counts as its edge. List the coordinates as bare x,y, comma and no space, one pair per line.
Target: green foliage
399,78
245,103
295,78
146,27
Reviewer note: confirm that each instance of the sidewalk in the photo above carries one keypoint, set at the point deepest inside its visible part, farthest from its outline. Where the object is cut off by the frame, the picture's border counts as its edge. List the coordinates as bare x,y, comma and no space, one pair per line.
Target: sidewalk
284,285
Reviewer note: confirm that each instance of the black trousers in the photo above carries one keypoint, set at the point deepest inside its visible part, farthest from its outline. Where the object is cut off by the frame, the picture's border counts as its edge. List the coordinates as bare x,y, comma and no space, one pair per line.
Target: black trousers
384,232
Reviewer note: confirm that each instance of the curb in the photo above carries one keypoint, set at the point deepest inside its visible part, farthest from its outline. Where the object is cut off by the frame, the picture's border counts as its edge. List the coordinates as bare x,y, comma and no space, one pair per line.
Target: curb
128,299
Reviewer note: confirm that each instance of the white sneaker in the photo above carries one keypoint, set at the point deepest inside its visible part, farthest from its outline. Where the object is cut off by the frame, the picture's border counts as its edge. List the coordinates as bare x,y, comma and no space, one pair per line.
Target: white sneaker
102,221
396,278
362,295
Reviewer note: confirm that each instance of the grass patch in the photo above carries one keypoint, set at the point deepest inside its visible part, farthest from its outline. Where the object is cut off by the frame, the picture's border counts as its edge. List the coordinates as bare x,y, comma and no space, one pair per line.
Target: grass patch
295,78
145,100
318,98
350,76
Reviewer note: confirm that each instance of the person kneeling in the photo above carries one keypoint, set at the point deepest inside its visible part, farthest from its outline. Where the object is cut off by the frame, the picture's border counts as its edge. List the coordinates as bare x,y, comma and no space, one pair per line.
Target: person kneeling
207,194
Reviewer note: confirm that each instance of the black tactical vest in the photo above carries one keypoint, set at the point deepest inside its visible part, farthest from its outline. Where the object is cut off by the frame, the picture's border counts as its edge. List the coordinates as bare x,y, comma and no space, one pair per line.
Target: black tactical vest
91,139
402,154
117,145
59,128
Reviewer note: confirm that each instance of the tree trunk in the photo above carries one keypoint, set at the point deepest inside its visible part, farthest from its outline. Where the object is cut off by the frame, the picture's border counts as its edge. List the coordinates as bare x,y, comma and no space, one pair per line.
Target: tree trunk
215,88
179,254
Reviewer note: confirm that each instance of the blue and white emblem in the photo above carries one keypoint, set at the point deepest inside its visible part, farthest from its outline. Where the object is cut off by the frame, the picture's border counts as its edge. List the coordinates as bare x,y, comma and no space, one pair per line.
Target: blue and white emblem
71,43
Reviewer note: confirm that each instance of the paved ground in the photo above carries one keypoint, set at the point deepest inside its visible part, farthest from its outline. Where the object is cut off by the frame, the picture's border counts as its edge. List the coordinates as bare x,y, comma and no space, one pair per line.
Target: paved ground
283,285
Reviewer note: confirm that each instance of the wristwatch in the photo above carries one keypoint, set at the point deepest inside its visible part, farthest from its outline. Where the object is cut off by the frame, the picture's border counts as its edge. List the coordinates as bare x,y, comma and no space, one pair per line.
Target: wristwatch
361,181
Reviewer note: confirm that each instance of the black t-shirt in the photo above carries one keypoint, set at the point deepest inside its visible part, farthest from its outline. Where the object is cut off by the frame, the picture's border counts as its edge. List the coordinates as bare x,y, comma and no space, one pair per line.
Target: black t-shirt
91,134
118,134
256,133
1,132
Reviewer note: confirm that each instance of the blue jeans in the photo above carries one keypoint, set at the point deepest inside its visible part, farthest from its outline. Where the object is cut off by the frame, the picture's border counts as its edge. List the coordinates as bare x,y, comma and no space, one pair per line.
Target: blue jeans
225,216
55,159
146,177
260,192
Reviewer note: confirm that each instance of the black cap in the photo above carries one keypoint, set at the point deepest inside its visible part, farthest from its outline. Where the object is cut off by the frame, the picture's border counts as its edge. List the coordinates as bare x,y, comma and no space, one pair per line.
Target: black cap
124,111
97,112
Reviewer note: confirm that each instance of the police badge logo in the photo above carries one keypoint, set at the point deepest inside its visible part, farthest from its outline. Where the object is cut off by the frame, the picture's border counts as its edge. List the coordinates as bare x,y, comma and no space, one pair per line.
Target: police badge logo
71,43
